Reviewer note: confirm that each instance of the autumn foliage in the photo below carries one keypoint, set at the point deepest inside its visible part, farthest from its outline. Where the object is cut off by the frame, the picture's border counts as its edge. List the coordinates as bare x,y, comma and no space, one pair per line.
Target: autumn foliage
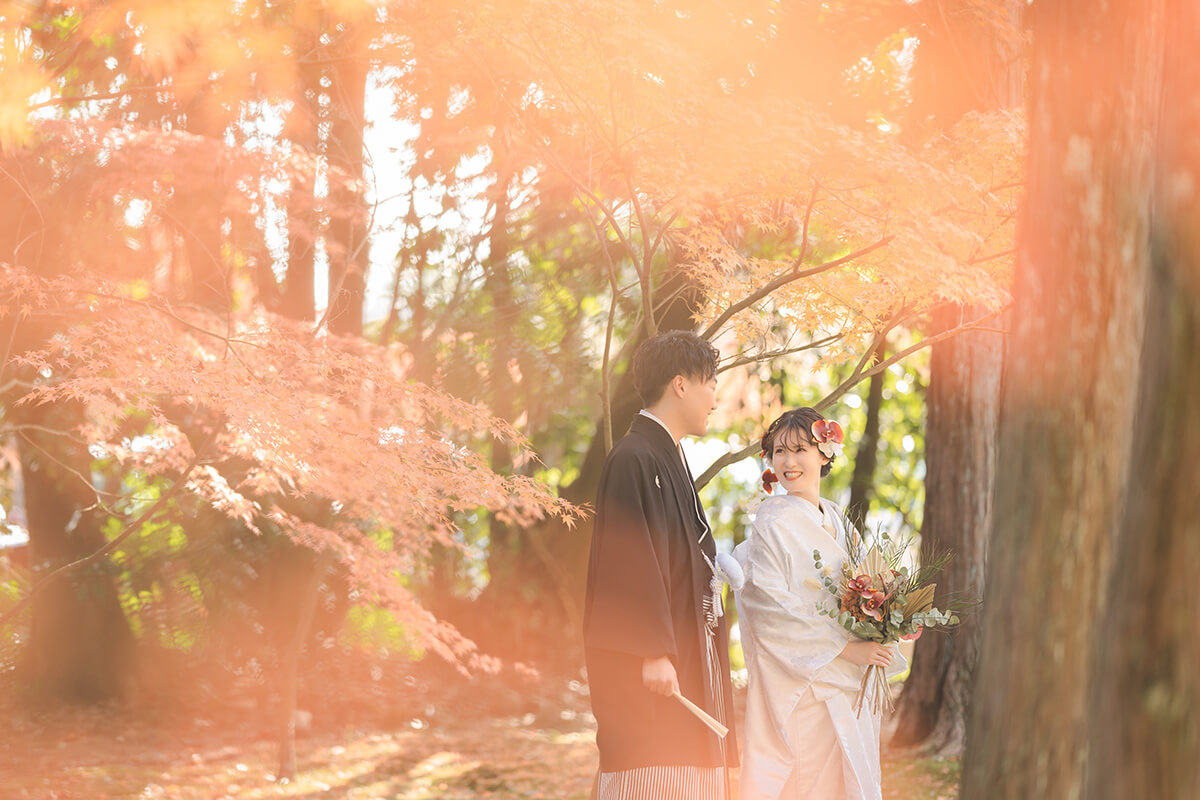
174,173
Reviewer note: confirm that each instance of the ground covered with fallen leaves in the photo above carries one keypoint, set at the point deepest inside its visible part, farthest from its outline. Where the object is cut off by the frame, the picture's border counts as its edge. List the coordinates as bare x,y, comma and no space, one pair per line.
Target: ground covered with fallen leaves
450,752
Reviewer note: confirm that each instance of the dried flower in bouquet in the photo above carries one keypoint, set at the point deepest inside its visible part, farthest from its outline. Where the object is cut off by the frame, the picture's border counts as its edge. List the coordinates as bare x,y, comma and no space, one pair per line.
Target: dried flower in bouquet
880,600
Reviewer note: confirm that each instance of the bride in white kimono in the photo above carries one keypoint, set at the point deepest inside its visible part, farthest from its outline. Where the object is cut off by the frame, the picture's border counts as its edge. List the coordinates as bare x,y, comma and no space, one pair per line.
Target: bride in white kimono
803,739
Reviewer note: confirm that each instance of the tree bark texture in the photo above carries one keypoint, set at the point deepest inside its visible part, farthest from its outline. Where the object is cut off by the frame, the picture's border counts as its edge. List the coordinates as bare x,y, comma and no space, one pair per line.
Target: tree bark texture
968,63
80,646
1145,725
298,299
1069,398
962,403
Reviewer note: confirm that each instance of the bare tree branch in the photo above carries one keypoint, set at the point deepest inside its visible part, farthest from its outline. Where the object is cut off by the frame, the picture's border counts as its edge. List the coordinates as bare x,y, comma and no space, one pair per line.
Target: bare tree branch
794,274
856,376
85,98
812,201
767,356
646,270
982,259
84,479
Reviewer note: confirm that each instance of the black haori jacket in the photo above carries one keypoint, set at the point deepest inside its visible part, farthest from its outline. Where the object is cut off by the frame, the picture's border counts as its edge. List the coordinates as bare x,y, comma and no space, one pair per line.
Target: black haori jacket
646,585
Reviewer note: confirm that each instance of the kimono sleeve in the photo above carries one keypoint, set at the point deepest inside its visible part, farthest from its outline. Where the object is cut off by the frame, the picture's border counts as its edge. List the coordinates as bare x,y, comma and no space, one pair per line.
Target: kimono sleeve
781,601
629,608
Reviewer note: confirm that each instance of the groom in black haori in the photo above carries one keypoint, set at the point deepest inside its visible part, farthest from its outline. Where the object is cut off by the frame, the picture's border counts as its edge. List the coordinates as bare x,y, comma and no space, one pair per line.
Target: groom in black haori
654,628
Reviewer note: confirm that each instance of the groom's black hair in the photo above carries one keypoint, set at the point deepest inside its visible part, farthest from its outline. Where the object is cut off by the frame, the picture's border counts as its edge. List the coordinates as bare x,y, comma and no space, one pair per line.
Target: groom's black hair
660,358
798,422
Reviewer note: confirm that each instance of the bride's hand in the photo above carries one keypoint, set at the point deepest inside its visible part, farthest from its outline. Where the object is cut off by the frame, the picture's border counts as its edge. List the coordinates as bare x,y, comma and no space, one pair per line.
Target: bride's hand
867,654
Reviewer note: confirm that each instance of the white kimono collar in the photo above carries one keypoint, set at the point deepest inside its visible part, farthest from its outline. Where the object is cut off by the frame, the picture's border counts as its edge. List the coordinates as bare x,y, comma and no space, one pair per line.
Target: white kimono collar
820,516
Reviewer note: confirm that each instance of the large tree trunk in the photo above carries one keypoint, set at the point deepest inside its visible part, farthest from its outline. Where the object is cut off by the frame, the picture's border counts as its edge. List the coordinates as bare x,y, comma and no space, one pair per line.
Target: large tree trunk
1145,734
302,571
966,63
960,436
1071,375
1145,725
298,297
80,646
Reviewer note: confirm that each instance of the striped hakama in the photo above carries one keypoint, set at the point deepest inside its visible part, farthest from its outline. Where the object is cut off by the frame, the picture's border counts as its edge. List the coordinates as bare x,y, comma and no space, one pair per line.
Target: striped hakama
664,783
678,782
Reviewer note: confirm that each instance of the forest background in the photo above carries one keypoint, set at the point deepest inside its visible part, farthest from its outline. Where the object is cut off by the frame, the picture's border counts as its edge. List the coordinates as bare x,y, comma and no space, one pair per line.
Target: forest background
317,316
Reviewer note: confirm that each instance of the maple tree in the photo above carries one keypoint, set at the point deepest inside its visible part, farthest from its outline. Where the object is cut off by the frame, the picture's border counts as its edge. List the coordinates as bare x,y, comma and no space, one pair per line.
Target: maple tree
338,451
640,166
779,232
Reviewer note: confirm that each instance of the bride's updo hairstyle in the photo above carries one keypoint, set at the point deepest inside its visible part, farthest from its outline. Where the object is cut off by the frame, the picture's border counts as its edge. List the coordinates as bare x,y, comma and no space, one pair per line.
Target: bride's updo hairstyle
792,426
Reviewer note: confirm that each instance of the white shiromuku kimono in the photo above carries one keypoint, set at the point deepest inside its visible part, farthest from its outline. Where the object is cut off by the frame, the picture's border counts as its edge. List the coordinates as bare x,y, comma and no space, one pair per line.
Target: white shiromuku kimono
802,739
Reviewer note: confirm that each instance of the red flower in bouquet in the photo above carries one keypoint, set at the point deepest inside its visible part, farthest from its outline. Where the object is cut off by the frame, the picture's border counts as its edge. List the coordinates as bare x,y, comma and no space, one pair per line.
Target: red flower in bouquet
860,584
872,605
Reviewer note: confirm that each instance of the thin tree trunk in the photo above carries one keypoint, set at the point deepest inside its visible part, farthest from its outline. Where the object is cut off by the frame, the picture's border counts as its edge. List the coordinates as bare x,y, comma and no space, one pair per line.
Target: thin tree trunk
960,435
298,300
301,571
868,446
505,554
409,256
1071,373
318,567
208,274
349,254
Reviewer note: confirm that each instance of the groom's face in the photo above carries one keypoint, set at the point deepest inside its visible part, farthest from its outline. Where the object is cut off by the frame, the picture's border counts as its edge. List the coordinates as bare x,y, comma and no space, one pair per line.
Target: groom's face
698,399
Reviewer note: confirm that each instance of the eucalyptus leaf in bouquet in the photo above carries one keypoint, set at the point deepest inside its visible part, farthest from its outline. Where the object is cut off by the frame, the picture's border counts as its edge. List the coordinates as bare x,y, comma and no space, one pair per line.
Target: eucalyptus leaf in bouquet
879,599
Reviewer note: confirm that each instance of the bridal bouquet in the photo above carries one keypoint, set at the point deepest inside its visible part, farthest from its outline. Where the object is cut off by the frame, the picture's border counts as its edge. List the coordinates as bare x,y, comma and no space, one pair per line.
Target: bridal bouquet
881,600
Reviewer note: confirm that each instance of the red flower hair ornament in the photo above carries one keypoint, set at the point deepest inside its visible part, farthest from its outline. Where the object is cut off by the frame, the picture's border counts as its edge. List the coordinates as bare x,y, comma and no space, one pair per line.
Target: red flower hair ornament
829,437
769,479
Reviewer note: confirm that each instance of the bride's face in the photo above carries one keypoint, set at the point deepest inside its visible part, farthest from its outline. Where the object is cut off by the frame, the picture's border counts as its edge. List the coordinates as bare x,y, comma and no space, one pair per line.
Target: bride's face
797,463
